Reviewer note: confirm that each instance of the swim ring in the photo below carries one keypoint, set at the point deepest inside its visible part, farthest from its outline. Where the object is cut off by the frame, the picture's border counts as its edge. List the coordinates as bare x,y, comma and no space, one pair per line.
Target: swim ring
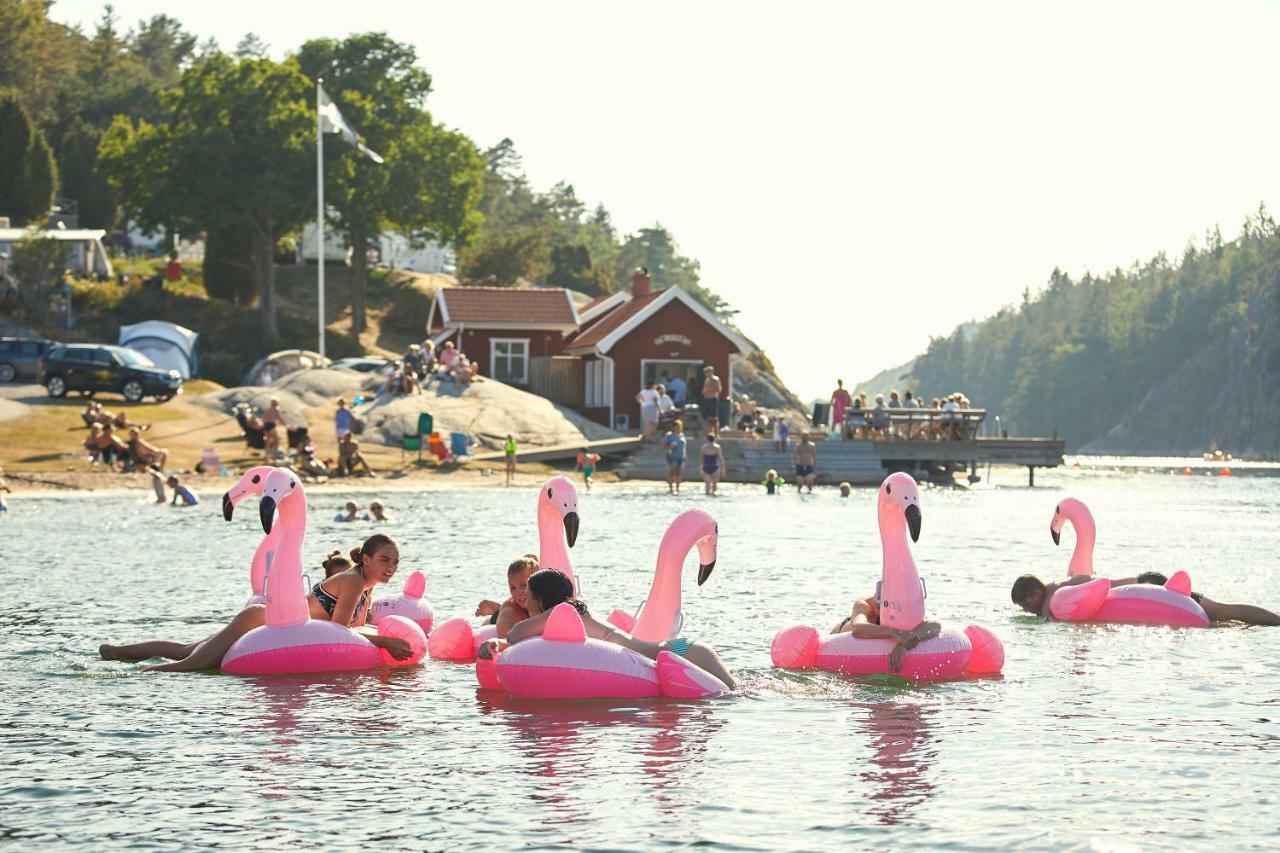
564,664
291,641
901,595
557,513
1098,601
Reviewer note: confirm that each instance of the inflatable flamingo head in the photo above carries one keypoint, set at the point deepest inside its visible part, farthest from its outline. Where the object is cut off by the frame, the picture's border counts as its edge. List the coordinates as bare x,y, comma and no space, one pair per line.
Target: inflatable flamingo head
1072,510
694,527
899,497
250,483
279,486
560,497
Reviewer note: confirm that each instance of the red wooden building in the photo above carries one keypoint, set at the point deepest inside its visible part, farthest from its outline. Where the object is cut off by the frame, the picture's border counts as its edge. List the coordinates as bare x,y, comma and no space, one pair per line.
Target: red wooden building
645,336
595,357
503,328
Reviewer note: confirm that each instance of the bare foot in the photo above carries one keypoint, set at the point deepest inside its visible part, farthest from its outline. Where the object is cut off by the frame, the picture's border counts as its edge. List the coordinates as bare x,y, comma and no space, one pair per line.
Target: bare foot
109,652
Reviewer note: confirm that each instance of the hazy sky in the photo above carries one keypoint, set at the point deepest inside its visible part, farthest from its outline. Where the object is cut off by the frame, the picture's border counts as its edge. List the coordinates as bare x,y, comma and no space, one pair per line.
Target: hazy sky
854,177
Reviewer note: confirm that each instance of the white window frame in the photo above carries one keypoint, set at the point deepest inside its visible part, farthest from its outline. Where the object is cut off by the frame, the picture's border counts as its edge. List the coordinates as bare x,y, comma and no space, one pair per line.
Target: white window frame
493,358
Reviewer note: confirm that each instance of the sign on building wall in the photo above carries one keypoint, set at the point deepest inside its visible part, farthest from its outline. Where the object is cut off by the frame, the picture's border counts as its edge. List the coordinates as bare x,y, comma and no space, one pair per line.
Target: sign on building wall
672,339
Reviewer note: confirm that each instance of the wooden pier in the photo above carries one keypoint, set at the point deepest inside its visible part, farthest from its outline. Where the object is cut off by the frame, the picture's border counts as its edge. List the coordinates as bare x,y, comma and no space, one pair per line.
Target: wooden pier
860,462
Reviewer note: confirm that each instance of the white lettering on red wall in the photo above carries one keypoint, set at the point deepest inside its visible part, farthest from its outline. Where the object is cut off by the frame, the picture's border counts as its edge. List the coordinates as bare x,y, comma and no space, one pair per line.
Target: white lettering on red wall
672,339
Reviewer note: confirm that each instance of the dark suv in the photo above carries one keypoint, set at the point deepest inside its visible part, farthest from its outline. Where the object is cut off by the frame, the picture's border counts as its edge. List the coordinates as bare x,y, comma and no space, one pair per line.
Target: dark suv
19,357
99,367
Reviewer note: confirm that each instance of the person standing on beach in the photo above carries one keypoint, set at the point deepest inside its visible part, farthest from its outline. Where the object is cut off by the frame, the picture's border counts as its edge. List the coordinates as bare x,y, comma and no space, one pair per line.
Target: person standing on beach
341,420
712,464
711,390
510,450
4,487
840,401
675,443
806,462
648,400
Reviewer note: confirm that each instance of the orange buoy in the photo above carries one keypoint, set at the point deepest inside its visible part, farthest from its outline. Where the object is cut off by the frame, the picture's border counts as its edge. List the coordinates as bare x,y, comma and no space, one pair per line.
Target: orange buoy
1225,472
1186,472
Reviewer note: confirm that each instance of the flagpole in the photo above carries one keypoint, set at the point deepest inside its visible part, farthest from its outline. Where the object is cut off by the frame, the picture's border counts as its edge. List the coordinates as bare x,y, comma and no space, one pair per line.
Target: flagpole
320,218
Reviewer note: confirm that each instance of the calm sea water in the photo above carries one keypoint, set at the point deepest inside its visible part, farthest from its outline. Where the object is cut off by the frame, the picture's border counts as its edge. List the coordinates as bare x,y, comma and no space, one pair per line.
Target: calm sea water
1095,737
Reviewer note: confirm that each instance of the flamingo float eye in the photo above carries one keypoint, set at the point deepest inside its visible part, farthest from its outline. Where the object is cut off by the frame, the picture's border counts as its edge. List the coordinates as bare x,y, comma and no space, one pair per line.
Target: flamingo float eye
888,488
1057,510
257,478
548,493
291,484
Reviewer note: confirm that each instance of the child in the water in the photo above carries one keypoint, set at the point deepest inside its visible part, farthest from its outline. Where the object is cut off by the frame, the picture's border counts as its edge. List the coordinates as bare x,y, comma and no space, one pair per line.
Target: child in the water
514,609
845,489
772,482
587,462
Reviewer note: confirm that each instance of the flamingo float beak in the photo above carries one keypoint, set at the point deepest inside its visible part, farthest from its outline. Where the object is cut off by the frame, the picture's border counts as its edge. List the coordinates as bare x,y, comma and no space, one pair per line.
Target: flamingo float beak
227,506
1056,534
267,509
704,571
571,528
913,521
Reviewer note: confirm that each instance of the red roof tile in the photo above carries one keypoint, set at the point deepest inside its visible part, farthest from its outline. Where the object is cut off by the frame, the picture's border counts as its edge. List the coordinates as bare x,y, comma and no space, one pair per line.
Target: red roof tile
615,318
536,307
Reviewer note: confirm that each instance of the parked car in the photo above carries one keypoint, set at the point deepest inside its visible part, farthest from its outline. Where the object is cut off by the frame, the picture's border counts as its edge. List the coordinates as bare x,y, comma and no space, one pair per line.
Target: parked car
364,365
89,368
20,358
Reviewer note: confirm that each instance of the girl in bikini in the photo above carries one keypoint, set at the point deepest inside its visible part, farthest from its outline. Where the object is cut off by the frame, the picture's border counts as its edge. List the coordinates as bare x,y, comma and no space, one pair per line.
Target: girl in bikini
550,587
342,597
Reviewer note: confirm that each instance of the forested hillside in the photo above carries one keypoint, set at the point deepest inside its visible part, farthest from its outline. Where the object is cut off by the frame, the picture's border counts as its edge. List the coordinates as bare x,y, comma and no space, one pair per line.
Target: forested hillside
1163,357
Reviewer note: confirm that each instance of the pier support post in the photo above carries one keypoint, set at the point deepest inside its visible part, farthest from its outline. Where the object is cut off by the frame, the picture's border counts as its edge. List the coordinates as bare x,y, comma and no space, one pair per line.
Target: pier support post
1031,476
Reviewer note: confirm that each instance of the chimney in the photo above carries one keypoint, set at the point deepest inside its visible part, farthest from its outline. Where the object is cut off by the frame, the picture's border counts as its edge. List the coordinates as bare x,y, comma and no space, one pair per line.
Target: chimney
640,282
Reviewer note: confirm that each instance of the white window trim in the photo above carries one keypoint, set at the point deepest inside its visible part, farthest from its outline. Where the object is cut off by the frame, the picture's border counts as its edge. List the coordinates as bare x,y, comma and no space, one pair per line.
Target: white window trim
493,358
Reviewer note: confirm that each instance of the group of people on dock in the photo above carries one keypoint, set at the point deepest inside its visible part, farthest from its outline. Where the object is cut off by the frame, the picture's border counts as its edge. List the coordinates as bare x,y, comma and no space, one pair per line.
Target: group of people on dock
906,417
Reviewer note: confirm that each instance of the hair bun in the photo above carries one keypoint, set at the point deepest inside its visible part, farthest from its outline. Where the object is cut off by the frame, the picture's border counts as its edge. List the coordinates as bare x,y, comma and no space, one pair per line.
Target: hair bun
355,557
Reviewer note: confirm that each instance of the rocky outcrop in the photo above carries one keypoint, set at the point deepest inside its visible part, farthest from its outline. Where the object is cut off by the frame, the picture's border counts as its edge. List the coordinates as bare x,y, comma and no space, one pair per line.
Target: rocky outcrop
485,410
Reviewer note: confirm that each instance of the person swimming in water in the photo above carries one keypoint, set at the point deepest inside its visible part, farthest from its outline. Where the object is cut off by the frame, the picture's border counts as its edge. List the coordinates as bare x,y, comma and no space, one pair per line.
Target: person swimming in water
550,587
1033,595
343,597
515,608
864,623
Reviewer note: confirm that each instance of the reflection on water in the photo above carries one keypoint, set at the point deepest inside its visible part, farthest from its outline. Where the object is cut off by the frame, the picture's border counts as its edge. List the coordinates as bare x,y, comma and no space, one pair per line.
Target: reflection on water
1114,722
902,751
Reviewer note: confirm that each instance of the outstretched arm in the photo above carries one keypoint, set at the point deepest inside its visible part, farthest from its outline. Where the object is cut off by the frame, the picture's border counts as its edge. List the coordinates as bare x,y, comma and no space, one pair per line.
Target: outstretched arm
531,627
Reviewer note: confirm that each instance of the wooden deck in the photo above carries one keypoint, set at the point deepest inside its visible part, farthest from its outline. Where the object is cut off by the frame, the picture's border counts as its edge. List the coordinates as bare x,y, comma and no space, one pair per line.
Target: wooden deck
865,462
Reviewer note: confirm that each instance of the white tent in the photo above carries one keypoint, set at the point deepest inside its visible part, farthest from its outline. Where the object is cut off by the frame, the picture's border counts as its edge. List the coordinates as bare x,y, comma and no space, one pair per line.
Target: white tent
167,344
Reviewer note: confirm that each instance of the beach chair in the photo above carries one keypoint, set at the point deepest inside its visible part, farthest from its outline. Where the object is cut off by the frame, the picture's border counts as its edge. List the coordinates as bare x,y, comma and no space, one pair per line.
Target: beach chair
212,464
410,443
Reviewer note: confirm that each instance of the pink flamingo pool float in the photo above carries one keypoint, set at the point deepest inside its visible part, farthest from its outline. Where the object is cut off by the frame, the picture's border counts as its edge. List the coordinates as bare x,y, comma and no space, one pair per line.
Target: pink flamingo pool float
1096,601
566,664
291,641
457,639
900,594
250,483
